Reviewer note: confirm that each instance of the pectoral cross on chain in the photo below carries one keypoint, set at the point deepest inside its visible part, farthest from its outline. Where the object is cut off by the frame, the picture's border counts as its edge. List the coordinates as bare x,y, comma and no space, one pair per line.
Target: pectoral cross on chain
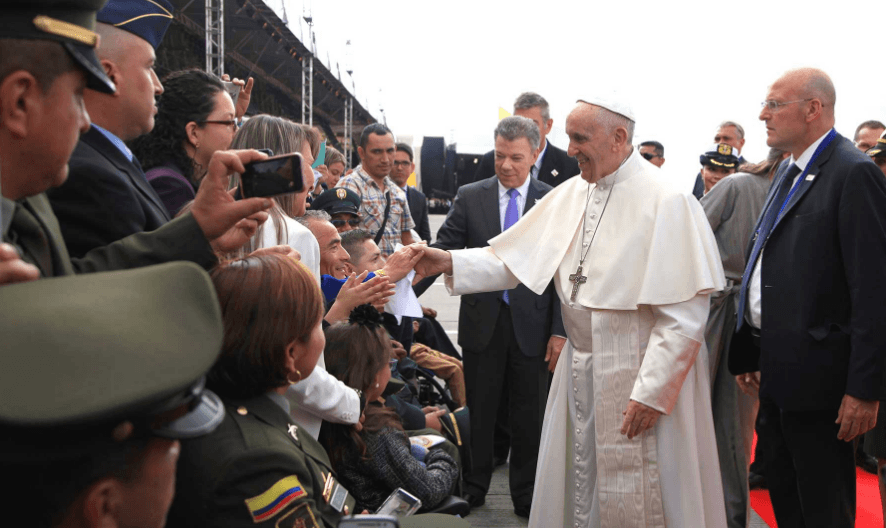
577,279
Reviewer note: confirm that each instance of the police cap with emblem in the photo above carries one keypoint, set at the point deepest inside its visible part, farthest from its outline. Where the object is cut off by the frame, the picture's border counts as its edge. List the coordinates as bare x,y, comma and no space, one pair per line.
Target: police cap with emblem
90,361
68,22
721,155
148,19
338,200
878,150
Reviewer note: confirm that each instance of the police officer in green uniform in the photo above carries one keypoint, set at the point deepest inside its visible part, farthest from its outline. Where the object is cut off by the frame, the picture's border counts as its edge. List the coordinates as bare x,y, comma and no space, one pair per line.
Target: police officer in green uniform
47,59
103,374
259,467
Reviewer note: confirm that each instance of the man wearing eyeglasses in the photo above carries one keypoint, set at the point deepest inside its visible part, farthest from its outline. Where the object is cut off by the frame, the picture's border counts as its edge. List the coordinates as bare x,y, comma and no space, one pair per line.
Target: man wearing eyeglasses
553,165
404,166
811,306
730,133
653,152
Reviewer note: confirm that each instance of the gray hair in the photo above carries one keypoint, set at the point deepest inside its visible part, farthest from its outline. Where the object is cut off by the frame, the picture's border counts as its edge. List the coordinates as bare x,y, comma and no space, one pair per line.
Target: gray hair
516,127
738,128
311,215
611,120
528,100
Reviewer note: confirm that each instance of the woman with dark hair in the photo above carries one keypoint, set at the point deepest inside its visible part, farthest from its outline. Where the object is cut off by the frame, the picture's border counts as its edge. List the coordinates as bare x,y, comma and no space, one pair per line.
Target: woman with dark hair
259,467
732,207
195,118
374,462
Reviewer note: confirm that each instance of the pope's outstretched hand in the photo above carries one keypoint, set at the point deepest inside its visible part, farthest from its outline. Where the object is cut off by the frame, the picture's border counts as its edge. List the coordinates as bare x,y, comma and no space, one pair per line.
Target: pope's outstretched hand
433,262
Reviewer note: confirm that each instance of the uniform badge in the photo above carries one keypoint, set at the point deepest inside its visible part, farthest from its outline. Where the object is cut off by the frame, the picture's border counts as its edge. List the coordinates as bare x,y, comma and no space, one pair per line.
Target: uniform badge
293,432
724,149
341,193
275,499
554,173
334,493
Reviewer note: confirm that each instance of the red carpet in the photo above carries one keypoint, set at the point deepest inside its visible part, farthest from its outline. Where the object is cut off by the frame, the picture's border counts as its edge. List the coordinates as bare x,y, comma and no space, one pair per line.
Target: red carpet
868,512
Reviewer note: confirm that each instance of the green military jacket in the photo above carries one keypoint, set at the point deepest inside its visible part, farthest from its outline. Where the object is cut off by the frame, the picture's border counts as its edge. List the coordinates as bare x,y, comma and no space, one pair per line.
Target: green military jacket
257,468
180,239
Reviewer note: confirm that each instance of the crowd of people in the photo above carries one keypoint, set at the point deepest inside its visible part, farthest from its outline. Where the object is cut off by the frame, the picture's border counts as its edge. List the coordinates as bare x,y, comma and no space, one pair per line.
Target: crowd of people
179,354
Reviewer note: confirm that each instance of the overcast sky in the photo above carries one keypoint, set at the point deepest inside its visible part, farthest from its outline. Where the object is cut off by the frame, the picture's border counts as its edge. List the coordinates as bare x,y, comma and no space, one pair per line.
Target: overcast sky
444,68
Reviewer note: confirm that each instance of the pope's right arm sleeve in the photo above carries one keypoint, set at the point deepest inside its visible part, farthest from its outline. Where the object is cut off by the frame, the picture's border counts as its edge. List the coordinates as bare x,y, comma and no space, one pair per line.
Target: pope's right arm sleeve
478,270
326,397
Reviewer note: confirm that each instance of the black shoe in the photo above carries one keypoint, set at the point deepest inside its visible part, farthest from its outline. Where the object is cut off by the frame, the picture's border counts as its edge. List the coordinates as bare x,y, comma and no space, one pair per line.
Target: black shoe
499,461
475,500
756,481
866,462
522,511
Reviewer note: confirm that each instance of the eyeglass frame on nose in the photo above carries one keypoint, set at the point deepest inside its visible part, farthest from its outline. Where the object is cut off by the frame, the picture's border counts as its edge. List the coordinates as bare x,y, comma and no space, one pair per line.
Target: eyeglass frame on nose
773,106
649,156
229,122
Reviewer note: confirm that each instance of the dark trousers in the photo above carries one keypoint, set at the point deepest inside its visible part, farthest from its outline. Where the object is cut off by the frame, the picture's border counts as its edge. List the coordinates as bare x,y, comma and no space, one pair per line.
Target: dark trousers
810,473
486,372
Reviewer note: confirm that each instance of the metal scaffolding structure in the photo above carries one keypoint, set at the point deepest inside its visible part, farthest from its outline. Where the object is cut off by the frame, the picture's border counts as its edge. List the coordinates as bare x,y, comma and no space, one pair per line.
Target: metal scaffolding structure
349,127
307,90
215,37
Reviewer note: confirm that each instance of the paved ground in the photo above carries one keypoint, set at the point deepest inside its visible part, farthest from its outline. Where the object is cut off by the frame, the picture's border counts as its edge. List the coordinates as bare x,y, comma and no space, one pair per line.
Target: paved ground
498,510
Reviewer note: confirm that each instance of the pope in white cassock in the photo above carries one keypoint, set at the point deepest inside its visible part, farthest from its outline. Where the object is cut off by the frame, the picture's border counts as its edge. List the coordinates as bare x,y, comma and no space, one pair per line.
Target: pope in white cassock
628,438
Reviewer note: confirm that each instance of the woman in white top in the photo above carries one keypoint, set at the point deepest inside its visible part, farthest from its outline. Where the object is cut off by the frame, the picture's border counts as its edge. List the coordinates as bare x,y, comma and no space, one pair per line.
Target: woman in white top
319,396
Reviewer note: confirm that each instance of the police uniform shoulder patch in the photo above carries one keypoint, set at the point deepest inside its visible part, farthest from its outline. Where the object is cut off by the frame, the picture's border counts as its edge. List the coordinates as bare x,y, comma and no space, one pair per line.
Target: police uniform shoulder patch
302,516
275,499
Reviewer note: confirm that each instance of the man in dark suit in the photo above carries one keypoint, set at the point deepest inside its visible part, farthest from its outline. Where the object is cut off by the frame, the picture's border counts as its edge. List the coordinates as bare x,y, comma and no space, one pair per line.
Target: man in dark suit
553,165
506,337
404,166
814,304
107,196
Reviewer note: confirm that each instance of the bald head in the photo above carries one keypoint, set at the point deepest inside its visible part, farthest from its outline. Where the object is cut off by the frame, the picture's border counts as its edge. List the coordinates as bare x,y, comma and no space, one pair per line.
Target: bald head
114,42
800,110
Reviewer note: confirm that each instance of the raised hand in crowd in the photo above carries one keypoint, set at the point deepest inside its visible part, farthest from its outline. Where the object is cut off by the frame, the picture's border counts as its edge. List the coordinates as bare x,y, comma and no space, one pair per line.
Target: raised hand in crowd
13,269
227,223
354,292
399,264
244,96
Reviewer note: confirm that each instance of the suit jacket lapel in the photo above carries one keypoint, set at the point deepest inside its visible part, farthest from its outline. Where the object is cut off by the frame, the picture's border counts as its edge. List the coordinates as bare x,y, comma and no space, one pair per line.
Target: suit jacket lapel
807,183
489,199
132,170
532,195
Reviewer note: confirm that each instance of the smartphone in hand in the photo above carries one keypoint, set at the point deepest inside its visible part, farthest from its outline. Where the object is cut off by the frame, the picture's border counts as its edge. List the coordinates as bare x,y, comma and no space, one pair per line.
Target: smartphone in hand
276,175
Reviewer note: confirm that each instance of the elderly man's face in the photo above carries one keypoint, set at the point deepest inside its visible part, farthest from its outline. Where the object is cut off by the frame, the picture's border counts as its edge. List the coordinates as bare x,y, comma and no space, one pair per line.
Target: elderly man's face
333,257
729,135
867,138
544,125
513,160
590,144
786,126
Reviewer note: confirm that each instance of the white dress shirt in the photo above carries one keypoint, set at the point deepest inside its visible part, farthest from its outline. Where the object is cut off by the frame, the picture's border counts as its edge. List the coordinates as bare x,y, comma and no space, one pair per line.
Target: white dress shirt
755,296
503,200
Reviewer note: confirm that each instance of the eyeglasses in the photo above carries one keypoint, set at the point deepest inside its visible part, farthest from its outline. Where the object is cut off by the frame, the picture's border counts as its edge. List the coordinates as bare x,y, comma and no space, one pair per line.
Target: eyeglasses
227,122
353,222
772,106
648,156
401,163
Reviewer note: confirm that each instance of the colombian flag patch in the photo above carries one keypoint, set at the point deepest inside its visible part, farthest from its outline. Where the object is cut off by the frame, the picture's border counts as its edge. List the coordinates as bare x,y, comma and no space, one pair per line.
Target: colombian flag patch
275,499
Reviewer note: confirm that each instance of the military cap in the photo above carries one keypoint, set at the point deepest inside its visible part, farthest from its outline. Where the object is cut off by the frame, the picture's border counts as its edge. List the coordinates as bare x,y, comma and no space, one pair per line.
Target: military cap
68,22
338,200
721,155
91,360
878,150
149,19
